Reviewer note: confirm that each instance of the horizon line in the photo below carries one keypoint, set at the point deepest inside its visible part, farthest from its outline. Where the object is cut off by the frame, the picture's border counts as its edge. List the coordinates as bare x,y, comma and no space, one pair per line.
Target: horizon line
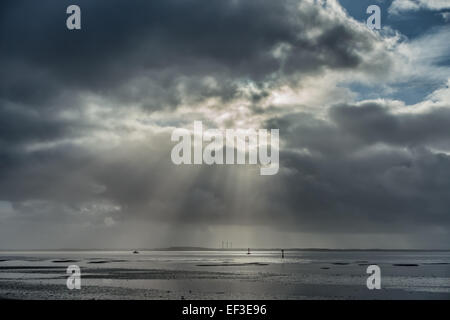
195,248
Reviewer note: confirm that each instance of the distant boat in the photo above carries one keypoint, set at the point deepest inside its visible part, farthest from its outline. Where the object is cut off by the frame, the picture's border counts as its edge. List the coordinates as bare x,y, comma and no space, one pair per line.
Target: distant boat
135,252
248,252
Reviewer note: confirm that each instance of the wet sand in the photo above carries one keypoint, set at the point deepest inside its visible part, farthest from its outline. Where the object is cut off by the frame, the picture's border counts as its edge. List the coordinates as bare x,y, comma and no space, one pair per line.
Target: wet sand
218,275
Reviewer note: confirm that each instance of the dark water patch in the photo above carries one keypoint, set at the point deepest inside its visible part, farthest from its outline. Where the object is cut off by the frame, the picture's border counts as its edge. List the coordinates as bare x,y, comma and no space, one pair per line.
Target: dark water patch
325,268
22,259
64,261
437,263
28,267
105,261
405,265
341,263
233,264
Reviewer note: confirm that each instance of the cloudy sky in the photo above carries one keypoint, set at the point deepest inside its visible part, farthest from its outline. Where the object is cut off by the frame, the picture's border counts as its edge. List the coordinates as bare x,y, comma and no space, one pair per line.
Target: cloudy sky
86,118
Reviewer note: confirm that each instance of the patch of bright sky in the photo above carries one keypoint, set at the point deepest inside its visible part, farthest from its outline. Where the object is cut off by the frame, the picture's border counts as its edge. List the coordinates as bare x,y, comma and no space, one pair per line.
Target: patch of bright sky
415,26
410,23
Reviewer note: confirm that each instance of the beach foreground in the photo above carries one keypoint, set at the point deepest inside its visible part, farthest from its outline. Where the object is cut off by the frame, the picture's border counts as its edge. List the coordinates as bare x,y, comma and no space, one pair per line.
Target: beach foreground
225,275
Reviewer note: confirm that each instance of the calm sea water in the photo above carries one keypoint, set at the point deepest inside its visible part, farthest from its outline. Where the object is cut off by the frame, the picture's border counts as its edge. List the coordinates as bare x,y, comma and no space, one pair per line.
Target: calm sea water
228,274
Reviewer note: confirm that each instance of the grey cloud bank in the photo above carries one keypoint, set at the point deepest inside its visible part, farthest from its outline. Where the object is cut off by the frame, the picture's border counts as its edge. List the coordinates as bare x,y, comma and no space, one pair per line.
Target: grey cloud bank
86,118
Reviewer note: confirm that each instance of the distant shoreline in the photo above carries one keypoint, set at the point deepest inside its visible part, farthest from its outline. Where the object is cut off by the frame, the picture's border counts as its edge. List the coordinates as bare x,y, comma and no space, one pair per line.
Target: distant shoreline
222,249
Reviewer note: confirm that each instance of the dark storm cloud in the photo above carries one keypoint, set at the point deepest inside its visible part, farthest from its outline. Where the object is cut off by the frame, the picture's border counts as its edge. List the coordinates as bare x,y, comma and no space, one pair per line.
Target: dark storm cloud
352,127
159,41
362,168
373,123
57,174
366,169
386,190
23,126
144,52
353,177
334,177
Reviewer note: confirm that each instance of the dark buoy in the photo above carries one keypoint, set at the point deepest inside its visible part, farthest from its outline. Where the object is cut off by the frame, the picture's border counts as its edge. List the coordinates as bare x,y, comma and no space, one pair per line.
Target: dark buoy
282,253
135,252
248,252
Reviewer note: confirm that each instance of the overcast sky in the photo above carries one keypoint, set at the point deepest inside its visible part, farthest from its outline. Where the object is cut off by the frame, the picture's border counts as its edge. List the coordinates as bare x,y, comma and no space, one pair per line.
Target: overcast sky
86,118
